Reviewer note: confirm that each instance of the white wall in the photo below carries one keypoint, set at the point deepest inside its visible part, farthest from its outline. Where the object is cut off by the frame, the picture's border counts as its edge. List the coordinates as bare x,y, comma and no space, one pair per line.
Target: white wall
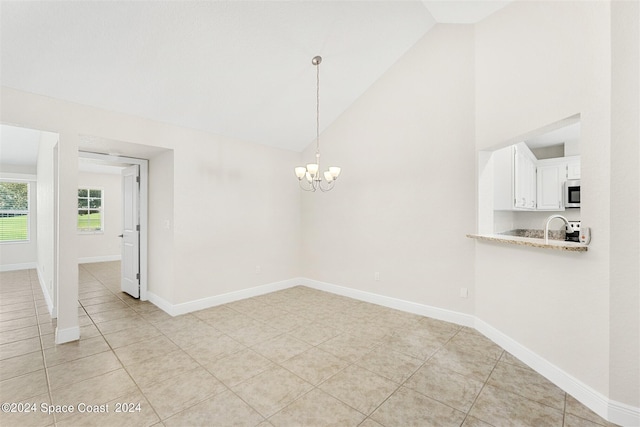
538,63
236,208
536,220
105,245
236,205
405,198
21,255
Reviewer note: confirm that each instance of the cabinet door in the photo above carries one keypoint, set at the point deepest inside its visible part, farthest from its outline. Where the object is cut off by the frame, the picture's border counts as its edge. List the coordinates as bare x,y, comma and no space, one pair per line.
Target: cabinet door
550,179
524,181
532,196
573,170
521,180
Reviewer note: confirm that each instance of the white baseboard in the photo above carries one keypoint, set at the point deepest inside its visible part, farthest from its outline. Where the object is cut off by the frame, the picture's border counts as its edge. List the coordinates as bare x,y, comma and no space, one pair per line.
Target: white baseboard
19,266
67,334
398,304
104,258
608,409
52,310
200,304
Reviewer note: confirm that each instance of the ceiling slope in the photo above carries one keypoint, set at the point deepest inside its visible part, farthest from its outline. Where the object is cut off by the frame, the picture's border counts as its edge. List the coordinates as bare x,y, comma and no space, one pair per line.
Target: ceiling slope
241,69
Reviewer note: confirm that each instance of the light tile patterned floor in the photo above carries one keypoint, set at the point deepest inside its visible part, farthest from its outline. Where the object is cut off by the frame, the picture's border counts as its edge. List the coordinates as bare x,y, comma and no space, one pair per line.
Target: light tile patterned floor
298,357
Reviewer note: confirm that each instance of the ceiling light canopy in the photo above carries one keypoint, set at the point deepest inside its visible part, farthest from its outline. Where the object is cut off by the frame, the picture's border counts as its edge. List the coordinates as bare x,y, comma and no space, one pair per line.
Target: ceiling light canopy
309,177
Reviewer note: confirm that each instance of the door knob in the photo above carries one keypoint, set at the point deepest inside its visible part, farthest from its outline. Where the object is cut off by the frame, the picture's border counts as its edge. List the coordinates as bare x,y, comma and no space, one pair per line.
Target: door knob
120,235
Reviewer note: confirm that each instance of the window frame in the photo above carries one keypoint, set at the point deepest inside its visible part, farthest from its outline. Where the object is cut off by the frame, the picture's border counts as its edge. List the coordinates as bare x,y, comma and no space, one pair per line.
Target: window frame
18,211
100,209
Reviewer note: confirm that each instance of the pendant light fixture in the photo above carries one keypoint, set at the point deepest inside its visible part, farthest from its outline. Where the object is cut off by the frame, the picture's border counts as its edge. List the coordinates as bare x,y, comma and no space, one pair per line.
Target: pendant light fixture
309,177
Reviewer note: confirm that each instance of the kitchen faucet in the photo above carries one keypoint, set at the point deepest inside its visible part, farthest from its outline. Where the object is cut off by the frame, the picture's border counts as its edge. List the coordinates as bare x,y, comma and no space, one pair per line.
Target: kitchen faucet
552,217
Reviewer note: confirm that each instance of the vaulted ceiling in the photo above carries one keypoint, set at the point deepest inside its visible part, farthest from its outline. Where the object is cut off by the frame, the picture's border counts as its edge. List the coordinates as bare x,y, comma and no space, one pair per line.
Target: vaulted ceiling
240,69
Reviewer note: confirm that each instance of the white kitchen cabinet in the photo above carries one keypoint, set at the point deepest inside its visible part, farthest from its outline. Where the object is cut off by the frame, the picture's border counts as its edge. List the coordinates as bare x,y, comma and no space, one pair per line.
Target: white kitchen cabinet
525,177
521,182
514,169
550,180
573,167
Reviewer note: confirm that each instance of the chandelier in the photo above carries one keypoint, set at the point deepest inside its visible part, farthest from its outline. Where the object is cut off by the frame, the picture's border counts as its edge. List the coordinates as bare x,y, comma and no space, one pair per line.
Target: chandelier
309,177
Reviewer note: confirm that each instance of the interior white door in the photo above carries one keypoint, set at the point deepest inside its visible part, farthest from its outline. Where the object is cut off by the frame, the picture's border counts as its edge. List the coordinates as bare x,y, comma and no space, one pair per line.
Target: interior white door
130,264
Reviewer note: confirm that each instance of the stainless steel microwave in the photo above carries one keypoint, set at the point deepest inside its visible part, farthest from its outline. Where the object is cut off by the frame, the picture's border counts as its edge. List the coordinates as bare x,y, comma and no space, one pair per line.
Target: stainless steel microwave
572,193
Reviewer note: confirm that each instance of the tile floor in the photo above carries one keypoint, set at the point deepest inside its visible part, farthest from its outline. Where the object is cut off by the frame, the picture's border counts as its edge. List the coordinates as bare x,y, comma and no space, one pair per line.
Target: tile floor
298,357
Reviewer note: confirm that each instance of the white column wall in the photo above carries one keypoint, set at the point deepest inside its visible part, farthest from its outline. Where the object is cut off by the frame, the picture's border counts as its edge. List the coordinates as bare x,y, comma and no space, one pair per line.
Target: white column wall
538,63
624,326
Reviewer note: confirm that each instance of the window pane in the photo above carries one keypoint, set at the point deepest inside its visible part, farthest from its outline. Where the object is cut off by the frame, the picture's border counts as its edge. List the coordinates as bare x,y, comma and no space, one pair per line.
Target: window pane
14,196
90,210
13,227
95,220
14,211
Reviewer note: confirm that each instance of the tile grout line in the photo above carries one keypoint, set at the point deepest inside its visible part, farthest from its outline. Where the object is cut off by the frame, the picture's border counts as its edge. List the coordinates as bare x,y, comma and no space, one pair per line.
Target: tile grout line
410,376
123,367
44,360
484,384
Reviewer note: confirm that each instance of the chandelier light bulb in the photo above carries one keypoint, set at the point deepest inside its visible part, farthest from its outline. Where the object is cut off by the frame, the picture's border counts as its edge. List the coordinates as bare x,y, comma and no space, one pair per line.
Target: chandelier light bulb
301,172
312,168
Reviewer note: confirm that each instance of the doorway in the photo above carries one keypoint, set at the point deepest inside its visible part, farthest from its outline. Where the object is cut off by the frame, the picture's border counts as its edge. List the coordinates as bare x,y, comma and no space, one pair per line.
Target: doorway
134,230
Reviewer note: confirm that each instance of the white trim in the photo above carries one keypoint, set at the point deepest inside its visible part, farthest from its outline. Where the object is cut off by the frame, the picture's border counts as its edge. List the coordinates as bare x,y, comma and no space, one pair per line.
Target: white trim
200,304
608,409
67,335
52,310
10,176
19,266
398,304
623,414
102,258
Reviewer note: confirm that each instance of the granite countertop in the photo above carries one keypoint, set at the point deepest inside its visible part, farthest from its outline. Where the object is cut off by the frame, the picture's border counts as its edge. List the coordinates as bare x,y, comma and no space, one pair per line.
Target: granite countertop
526,238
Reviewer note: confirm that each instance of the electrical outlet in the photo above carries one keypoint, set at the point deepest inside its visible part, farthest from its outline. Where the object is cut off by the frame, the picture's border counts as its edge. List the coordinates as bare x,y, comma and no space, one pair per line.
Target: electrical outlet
464,292
258,269
376,276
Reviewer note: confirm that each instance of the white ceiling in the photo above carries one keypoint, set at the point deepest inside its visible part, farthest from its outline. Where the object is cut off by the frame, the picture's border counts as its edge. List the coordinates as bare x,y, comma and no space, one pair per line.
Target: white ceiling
241,69
557,136
18,146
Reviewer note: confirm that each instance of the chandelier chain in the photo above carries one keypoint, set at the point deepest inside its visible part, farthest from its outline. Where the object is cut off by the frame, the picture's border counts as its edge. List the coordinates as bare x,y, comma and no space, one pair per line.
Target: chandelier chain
318,108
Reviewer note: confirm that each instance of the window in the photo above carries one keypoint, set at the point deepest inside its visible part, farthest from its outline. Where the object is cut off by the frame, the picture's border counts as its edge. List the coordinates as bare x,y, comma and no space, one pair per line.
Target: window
14,211
90,210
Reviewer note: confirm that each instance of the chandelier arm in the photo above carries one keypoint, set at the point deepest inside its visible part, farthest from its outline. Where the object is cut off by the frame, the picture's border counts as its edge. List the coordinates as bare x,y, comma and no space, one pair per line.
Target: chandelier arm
310,188
327,188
